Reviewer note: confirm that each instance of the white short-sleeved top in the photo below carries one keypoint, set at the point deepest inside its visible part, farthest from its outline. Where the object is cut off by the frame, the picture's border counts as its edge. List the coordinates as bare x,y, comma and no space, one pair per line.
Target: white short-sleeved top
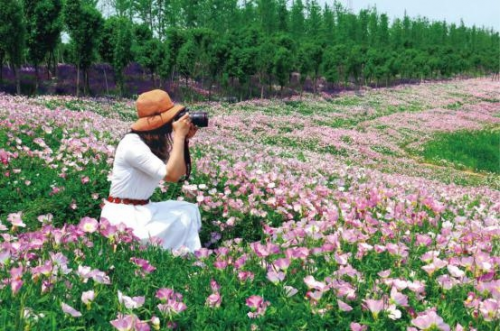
136,170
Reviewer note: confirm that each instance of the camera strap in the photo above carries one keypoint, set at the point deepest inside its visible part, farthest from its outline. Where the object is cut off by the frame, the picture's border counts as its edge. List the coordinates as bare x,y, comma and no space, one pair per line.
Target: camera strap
187,160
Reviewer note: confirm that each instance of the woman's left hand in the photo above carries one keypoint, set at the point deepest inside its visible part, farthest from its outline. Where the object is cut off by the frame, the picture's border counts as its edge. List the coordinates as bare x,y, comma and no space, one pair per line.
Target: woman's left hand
192,131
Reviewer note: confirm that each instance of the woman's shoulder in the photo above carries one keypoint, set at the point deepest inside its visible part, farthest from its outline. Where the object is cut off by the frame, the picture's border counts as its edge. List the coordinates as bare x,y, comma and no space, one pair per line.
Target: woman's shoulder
131,138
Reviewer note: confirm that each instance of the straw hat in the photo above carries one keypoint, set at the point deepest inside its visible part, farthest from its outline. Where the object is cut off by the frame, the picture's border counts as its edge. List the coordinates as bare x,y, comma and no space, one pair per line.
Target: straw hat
154,109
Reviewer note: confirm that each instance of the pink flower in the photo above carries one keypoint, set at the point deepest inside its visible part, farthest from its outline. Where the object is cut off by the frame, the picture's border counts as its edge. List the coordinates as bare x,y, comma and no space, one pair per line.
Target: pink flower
88,225
257,305
145,267
374,306
297,253
398,298
264,250
314,284
455,271
490,309
88,297
4,156
202,253
314,295
244,275
16,282
130,303
343,306
358,327
214,286
428,320
282,263
70,310
45,218
4,257
220,264
290,291
85,180
165,294
125,322
15,219
155,321
214,300
172,302
275,277
171,307
254,301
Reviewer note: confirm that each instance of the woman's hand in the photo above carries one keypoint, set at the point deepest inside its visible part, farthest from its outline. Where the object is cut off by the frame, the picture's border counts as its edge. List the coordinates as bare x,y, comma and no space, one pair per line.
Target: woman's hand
192,131
182,126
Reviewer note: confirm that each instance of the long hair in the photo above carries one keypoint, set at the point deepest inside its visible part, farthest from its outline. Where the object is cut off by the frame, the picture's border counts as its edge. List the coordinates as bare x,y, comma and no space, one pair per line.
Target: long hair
158,140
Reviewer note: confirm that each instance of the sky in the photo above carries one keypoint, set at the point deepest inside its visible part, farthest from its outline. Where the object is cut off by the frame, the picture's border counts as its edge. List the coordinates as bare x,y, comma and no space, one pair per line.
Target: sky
481,13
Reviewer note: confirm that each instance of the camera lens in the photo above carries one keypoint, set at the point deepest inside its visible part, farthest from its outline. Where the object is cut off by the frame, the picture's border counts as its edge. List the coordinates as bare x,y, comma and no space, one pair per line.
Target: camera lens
200,119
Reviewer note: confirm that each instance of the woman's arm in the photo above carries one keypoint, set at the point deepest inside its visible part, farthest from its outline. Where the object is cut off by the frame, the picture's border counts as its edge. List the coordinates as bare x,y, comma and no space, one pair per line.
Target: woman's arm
176,167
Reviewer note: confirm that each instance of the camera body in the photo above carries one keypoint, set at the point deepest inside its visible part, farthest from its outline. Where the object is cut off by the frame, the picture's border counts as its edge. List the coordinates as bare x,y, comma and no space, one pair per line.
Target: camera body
198,118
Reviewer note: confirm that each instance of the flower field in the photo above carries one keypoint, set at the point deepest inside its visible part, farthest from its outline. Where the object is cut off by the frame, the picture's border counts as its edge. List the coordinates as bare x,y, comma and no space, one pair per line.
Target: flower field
318,214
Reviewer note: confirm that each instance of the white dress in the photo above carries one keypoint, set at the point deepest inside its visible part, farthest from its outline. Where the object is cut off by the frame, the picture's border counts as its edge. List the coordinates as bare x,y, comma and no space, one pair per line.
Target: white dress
136,174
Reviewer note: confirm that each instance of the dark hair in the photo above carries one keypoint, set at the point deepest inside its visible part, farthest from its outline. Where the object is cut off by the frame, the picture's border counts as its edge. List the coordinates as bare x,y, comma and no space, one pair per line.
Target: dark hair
158,140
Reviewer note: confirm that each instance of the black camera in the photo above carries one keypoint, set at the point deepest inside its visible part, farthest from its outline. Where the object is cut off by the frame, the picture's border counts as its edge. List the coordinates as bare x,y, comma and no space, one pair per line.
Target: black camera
198,118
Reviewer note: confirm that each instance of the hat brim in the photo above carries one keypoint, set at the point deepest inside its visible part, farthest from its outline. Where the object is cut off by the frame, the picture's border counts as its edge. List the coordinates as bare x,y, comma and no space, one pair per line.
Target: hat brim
156,121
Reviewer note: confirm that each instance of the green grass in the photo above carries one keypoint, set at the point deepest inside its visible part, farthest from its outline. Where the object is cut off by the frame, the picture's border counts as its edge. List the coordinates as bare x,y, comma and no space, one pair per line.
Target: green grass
471,150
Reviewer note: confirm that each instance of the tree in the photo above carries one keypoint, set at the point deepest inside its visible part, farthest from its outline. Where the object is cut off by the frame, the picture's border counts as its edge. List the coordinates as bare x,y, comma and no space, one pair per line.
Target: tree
186,59
314,20
122,8
334,64
328,26
283,65
44,25
2,59
146,50
12,35
264,63
310,59
122,52
266,10
282,16
84,23
174,41
297,20
218,54
116,47
145,10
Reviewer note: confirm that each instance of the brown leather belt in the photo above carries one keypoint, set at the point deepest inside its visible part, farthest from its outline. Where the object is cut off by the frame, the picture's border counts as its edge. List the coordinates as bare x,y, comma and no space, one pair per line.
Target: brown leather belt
128,201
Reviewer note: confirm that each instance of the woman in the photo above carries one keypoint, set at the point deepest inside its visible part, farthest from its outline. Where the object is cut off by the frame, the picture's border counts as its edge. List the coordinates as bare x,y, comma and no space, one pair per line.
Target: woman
153,150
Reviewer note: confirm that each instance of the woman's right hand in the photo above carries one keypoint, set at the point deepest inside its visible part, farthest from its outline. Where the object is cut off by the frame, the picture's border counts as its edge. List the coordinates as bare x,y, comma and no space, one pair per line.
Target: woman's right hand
182,125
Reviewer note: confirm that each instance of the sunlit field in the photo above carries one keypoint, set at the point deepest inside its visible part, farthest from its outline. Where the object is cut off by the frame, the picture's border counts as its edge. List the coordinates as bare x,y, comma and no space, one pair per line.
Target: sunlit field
344,212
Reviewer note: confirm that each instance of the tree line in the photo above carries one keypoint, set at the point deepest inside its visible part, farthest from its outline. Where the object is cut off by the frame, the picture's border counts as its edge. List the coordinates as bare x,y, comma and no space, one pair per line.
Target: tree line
232,44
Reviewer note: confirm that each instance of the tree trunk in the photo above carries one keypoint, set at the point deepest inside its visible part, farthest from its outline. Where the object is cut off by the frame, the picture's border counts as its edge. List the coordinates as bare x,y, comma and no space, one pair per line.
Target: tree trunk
77,81
48,66
210,89
249,88
1,68
36,79
18,79
106,80
86,86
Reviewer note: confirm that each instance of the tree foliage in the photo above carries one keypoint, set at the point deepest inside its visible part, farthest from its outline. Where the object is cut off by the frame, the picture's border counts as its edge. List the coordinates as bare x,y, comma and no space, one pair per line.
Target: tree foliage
235,44
13,35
